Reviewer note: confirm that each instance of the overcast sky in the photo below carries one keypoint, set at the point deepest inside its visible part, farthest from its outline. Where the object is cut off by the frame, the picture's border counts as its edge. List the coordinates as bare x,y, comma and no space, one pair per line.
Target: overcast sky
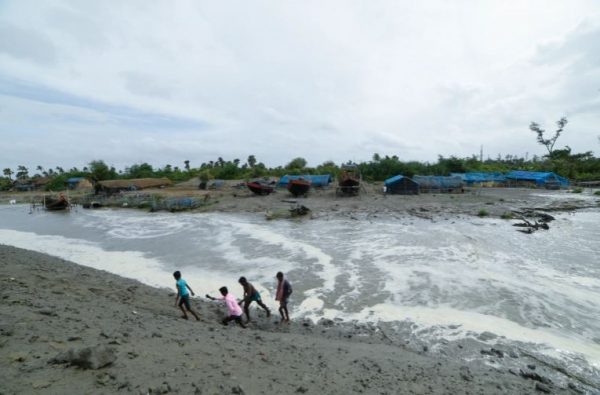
167,81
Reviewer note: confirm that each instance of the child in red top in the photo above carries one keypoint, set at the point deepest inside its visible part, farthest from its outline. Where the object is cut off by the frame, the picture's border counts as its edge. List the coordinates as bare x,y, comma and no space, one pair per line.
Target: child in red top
284,290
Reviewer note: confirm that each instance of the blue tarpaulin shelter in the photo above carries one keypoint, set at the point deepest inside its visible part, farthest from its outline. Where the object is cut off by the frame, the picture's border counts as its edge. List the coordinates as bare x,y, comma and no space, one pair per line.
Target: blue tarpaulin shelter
315,180
401,185
480,178
439,183
73,181
539,179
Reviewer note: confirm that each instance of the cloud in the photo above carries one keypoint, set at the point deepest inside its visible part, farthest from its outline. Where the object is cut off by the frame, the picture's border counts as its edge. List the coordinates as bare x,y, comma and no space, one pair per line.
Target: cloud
26,44
326,81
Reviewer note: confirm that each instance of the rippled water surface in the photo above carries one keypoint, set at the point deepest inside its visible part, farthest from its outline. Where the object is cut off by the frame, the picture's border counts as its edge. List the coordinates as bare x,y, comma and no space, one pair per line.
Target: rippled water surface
476,275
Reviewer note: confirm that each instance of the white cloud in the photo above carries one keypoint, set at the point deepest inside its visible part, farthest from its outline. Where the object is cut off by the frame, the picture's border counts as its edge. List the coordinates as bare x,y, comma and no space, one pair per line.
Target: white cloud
324,80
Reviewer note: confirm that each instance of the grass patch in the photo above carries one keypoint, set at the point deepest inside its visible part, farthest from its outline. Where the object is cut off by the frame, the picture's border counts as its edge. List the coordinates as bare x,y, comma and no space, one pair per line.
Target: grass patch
577,190
597,193
507,215
483,213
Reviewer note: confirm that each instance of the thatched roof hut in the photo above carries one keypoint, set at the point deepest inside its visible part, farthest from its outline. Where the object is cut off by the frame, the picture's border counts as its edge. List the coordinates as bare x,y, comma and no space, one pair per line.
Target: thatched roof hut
79,183
133,184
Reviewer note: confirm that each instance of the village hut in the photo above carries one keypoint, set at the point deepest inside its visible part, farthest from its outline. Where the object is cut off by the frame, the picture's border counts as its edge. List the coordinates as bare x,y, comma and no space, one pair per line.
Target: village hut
135,184
79,183
401,185
439,184
40,183
482,179
23,185
321,180
536,179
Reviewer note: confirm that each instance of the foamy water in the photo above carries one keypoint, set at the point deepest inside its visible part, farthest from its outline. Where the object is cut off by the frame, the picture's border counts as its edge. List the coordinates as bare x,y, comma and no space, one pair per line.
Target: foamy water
471,275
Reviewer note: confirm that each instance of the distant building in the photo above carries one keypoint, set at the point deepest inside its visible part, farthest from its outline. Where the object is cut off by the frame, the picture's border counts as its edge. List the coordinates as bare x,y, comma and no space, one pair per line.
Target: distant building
482,179
79,183
23,185
135,184
439,184
536,179
400,185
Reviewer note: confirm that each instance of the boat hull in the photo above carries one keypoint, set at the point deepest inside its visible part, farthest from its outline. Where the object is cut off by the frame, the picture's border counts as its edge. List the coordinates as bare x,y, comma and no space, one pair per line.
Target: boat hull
56,204
298,187
259,189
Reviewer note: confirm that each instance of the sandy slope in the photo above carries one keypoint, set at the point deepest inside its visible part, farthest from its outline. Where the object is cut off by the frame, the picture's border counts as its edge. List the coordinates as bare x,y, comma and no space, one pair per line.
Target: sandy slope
50,306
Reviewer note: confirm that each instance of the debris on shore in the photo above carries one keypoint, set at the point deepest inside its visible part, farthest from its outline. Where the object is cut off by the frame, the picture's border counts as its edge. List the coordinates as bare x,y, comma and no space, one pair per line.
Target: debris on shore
533,221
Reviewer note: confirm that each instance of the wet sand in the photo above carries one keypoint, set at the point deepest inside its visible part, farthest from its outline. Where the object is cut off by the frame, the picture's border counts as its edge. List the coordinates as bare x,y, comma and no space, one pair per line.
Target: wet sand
68,329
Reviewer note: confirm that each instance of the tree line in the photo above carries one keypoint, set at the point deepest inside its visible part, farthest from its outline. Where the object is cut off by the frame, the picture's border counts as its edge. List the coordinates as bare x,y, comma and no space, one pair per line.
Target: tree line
575,166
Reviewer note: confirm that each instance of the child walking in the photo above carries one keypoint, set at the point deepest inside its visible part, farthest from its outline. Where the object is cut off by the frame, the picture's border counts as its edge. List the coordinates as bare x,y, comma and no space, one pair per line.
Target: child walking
183,296
284,290
234,309
251,295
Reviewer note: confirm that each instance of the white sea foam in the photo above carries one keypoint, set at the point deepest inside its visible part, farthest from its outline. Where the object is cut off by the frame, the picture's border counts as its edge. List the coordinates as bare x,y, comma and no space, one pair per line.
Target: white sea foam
478,323
481,275
124,224
129,264
295,250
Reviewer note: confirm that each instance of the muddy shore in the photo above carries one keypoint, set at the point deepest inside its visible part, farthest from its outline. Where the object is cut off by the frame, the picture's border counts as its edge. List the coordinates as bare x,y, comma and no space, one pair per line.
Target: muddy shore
325,203
68,329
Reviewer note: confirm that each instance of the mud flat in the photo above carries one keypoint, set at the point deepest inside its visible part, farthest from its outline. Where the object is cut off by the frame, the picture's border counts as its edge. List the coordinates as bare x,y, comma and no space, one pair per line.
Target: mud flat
68,329
325,203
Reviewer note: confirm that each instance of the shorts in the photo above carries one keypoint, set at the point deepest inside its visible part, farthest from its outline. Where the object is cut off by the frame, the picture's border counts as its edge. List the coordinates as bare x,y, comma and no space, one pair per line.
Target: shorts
283,302
256,297
185,299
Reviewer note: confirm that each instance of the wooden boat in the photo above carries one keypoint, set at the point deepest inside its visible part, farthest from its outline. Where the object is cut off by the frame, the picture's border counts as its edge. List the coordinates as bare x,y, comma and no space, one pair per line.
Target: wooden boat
52,204
92,205
349,181
298,187
259,188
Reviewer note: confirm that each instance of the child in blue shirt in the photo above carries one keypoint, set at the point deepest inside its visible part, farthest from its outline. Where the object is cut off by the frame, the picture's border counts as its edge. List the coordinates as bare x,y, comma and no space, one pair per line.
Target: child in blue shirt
183,296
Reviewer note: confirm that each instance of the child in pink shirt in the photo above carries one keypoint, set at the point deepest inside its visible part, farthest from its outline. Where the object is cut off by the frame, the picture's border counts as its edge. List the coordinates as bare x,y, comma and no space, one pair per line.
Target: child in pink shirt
234,309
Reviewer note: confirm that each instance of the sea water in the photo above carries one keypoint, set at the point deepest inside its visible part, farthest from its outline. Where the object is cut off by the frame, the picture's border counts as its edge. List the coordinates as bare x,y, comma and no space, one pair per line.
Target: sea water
448,278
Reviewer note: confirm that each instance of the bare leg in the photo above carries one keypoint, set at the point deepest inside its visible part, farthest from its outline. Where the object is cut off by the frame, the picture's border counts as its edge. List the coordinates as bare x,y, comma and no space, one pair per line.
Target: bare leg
183,311
194,314
247,309
281,311
261,304
285,315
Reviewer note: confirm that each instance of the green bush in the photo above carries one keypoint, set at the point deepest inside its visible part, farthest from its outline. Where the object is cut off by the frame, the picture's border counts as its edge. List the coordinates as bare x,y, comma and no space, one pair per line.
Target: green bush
597,193
507,215
577,190
483,213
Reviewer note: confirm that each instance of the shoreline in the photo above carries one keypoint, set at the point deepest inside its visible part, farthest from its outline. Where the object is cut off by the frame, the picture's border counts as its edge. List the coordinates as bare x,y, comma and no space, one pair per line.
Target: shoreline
324,204
50,306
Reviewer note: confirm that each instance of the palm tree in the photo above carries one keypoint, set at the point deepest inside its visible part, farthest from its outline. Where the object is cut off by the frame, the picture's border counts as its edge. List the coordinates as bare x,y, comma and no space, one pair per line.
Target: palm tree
8,173
251,161
22,172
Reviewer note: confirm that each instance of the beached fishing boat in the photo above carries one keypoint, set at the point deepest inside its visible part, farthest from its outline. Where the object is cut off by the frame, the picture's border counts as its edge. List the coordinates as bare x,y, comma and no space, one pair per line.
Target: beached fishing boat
349,180
299,187
259,188
52,204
